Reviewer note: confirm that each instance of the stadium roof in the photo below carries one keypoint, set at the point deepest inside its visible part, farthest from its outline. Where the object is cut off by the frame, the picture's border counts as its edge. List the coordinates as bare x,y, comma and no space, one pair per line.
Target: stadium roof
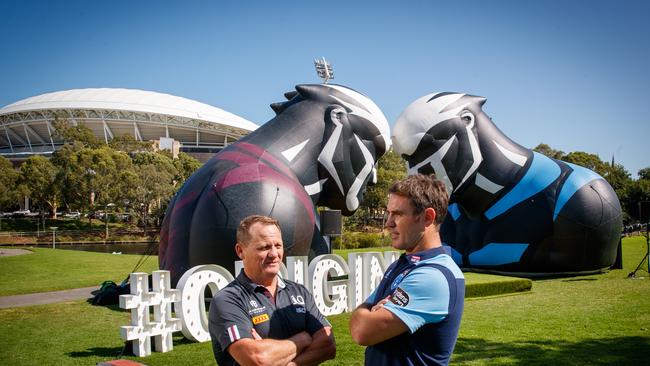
130,100
26,126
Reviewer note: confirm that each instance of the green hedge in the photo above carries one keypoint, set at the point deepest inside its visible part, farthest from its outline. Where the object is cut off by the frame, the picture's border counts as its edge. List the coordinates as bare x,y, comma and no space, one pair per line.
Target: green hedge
483,289
357,240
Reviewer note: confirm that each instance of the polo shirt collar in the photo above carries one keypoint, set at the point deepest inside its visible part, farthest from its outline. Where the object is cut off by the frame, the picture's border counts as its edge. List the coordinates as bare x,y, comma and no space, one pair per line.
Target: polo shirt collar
251,286
425,254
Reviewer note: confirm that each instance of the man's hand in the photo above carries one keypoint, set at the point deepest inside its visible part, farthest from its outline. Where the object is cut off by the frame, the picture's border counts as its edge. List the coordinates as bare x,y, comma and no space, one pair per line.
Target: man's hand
259,351
380,304
322,348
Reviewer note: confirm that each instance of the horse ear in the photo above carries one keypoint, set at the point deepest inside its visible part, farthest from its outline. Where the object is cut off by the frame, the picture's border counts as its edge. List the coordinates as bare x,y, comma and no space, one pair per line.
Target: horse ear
277,107
308,90
290,95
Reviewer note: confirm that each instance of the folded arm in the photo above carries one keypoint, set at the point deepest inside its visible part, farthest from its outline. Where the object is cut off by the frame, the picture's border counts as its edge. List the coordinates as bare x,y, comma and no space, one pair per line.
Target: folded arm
322,348
248,351
371,325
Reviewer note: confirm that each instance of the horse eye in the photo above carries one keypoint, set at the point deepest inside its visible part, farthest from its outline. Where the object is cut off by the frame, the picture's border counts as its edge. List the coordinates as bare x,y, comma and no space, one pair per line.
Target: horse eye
467,117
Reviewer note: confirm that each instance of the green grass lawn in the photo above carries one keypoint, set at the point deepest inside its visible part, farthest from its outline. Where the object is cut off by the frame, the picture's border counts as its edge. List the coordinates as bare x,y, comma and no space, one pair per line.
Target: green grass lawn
590,320
59,269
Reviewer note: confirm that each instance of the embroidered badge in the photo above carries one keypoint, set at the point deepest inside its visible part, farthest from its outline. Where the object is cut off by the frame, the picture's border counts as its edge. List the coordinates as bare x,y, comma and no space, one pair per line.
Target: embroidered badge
297,300
415,259
256,308
400,297
398,279
233,333
260,318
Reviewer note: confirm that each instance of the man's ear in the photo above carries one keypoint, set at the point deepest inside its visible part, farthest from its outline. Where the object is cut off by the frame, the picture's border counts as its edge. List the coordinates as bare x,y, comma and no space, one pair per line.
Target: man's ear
429,216
239,250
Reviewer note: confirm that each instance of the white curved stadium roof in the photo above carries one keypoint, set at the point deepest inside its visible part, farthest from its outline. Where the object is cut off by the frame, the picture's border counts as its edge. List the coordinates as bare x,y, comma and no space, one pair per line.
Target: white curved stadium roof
129,100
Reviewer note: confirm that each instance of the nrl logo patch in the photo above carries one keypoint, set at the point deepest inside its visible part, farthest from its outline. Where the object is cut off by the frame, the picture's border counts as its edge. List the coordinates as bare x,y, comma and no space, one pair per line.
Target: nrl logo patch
400,297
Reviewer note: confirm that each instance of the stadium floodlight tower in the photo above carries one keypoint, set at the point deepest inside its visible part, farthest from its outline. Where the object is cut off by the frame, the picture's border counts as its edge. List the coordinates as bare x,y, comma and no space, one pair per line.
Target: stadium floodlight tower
324,69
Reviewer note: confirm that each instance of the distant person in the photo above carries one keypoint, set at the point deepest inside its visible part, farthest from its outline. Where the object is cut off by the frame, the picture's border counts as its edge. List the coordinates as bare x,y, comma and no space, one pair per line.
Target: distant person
413,317
261,319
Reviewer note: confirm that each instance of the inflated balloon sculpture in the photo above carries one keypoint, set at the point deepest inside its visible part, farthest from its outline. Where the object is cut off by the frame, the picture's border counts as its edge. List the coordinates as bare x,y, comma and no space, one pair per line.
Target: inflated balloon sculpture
511,210
320,149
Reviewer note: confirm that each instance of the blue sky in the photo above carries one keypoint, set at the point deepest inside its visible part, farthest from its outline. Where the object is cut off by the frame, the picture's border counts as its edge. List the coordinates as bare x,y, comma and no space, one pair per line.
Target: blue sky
572,74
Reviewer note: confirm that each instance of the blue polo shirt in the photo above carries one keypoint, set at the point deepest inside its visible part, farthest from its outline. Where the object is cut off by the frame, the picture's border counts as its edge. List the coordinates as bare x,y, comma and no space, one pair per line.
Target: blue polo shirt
427,291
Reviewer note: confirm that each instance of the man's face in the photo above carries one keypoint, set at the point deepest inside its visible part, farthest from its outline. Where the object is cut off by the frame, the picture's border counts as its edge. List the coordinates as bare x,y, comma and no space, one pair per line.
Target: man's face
406,228
262,255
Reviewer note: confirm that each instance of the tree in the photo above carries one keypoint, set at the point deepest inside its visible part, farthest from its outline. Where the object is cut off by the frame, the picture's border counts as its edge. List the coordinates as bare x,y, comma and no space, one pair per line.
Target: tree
74,134
617,177
158,159
548,151
155,185
8,182
644,173
129,144
38,181
156,173
71,176
185,166
587,160
390,168
637,191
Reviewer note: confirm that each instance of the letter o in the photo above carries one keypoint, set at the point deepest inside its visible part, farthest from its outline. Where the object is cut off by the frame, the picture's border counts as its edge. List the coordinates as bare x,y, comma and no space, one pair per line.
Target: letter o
191,307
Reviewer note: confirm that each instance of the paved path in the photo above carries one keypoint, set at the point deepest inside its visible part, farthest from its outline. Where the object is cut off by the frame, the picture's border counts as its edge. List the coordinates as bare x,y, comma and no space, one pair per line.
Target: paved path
8,252
47,297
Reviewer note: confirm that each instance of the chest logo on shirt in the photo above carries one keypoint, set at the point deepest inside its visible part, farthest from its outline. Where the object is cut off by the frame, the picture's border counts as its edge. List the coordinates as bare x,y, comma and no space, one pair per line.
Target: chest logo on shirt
256,308
297,300
400,297
260,319
397,280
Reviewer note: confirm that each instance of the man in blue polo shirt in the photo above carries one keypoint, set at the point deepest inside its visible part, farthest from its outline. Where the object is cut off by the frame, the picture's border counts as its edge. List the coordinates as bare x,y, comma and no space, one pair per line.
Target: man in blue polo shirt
261,319
413,316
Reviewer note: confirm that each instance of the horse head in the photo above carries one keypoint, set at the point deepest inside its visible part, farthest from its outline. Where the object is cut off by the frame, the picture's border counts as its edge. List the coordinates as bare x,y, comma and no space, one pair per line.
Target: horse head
438,133
354,135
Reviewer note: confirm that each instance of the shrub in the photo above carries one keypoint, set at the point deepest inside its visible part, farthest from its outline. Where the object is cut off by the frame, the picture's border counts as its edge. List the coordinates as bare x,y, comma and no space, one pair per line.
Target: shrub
356,240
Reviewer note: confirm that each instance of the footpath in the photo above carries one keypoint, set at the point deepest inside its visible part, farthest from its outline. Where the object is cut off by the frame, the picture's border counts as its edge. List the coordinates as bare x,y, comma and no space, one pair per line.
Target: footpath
47,297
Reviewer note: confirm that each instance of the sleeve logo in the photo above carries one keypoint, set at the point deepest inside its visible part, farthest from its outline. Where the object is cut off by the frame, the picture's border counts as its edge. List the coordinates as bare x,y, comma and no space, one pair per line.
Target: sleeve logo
400,297
260,318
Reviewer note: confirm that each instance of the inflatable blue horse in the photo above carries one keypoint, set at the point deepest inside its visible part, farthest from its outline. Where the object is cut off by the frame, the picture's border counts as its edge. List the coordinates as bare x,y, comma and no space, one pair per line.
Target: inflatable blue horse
511,210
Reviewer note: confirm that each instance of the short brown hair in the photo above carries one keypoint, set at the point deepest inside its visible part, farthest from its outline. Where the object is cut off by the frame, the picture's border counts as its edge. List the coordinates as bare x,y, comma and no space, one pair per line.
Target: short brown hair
243,230
424,191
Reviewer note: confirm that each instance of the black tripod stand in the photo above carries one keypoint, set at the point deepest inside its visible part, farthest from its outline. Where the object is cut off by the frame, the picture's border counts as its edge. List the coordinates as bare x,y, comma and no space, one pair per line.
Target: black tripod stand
647,253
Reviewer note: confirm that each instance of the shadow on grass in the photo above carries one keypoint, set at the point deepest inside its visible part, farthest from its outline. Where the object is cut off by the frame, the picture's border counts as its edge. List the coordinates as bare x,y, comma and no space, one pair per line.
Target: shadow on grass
126,350
614,351
112,352
113,307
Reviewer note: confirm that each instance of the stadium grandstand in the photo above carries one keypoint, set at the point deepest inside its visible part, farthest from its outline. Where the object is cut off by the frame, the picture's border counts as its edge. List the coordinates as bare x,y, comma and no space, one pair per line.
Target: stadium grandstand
171,122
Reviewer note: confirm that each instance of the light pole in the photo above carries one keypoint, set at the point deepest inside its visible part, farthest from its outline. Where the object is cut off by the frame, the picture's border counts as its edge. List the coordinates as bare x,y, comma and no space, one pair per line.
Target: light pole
53,228
106,207
324,69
